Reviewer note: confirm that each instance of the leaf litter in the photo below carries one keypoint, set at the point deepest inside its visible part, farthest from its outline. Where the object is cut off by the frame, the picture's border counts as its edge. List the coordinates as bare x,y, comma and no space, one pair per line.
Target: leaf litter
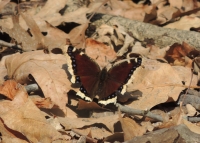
52,113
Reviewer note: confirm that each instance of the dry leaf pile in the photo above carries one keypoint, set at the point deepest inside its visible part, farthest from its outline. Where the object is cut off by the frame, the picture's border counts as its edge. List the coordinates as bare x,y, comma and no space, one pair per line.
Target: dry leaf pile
38,103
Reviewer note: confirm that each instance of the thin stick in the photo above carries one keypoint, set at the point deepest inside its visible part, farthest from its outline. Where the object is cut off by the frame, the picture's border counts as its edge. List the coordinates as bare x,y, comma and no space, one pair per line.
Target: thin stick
10,45
145,113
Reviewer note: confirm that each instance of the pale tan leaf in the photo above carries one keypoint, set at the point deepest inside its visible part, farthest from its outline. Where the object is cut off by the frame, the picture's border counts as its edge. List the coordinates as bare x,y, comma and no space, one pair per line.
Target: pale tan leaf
3,3
176,3
35,31
42,102
28,120
70,123
77,16
185,23
194,128
9,89
50,12
100,52
156,83
47,70
93,132
191,110
4,131
130,128
176,120
21,36
6,139
20,98
77,35
55,37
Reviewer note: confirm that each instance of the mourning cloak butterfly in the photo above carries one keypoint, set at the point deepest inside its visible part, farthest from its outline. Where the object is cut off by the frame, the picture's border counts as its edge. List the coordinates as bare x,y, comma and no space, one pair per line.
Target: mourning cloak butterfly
96,83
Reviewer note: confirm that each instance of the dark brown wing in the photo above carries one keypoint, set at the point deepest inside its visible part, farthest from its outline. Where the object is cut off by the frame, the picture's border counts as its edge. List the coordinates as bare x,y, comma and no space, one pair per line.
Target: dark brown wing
84,70
117,78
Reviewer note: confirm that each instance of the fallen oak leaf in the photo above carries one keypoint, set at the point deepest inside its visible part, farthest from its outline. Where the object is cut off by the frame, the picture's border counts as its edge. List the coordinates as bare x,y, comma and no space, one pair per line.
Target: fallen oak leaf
21,36
130,128
35,31
108,121
100,52
43,102
46,69
20,99
3,3
9,89
28,120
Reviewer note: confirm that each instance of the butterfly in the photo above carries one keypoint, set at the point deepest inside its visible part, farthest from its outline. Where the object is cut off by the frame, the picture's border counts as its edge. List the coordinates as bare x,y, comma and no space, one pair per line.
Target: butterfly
102,84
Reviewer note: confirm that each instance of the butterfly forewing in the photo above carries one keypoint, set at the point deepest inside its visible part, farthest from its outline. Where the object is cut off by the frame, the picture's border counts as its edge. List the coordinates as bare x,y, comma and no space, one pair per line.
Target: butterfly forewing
85,66
118,76
90,84
85,69
109,88
122,72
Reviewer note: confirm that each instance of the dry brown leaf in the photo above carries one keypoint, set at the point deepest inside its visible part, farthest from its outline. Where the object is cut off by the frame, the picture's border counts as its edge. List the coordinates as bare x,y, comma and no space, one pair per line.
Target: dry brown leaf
117,136
3,3
4,131
126,9
50,12
93,132
101,53
156,52
176,120
34,29
148,126
138,48
53,121
194,128
130,128
185,23
115,34
165,14
47,70
191,110
185,74
42,102
77,35
3,71
177,53
9,89
108,121
188,5
156,82
55,37
20,98
177,3
28,120
77,16
21,36
5,139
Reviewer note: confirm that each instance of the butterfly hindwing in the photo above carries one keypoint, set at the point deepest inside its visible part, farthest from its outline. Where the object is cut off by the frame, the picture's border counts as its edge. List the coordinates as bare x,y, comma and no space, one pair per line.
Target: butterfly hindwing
83,70
118,77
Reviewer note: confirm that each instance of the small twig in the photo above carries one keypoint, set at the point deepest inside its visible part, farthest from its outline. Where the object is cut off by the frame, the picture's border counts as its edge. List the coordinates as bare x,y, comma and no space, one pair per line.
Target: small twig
181,103
145,113
194,119
10,45
32,87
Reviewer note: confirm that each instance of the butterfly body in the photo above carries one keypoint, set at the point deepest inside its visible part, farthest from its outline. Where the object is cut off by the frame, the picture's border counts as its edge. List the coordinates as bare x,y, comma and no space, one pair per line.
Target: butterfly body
96,83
